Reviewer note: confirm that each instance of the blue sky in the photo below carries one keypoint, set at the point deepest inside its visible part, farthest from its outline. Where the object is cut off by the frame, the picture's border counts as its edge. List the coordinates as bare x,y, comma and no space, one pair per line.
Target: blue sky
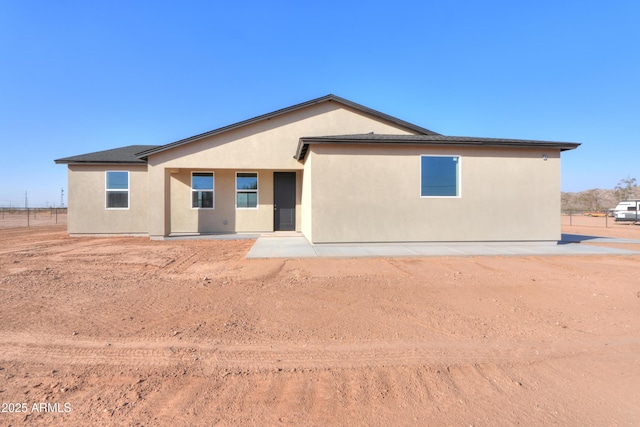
80,76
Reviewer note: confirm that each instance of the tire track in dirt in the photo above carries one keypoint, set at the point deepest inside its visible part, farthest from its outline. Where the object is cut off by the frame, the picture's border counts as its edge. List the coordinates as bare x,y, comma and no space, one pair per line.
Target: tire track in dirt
61,247
420,341
283,356
165,403
181,263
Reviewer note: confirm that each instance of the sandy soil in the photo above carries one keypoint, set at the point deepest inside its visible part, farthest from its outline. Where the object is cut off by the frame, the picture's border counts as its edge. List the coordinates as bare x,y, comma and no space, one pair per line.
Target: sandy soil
128,331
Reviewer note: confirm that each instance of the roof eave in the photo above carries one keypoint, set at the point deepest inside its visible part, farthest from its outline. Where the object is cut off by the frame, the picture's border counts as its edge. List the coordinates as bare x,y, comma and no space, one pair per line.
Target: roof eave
299,154
144,154
122,155
89,162
303,144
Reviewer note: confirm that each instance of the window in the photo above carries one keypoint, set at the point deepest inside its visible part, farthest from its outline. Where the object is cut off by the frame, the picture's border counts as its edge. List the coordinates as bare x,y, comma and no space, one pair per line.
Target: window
117,190
202,190
246,190
440,176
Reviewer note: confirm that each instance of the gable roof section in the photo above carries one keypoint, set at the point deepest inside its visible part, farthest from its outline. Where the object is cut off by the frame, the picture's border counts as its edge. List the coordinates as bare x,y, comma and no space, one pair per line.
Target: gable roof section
138,154
123,155
370,138
327,98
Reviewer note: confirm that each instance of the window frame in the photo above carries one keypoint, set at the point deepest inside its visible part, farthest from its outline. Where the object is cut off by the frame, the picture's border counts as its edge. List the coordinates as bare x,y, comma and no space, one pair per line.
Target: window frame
458,177
108,190
257,190
212,190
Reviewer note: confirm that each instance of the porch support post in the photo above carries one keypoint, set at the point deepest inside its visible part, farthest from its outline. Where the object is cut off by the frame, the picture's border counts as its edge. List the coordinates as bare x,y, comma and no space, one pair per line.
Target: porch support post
159,202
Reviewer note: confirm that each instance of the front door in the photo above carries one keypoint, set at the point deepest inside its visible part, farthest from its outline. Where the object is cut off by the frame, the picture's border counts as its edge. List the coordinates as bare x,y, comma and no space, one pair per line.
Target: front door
284,201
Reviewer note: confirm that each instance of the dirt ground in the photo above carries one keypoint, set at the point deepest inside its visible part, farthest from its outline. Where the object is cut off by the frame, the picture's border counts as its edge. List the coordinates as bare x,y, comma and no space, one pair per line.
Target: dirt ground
128,331
18,218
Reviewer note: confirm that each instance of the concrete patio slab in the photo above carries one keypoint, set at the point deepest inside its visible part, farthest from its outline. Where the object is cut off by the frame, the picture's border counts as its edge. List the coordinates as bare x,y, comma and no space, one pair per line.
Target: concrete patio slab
281,247
297,246
210,236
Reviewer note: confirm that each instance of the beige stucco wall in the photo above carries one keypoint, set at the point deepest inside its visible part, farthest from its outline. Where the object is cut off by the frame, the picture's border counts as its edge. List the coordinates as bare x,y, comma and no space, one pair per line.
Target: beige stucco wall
268,145
87,213
306,206
357,193
224,217
372,194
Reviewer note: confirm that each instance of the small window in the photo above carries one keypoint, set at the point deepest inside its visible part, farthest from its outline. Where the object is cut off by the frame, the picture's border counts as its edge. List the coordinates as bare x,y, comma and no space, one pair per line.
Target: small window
246,190
440,176
202,190
117,190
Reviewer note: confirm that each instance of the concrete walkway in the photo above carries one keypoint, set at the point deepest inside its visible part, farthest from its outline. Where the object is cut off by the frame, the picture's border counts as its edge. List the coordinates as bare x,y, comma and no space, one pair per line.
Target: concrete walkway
297,246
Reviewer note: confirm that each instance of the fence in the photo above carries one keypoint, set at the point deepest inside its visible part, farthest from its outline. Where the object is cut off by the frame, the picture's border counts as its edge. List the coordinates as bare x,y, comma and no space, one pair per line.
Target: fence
592,219
20,217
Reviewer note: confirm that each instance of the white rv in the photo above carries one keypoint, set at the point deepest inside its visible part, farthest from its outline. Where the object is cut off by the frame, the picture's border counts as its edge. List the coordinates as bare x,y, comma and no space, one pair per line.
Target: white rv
628,210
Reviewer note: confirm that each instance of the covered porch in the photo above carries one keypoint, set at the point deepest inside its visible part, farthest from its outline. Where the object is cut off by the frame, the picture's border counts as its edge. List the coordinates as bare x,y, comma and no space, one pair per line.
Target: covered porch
199,201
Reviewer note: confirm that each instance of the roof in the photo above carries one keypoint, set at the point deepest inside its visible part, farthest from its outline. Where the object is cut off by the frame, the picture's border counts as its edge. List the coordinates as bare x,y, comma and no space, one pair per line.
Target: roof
371,138
138,154
327,98
126,155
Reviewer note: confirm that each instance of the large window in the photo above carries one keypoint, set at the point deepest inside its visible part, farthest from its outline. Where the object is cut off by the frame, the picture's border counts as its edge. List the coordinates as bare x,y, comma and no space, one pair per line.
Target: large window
202,190
440,176
117,190
247,190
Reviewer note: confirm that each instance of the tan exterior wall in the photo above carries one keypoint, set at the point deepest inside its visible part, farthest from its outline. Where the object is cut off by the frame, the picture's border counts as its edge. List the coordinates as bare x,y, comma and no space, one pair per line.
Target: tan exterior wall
224,217
506,195
87,213
159,217
357,193
265,146
307,191
271,144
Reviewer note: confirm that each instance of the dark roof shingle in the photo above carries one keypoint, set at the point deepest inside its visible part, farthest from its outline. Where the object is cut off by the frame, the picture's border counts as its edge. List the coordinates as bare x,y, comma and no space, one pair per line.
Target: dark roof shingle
137,154
371,138
273,114
126,155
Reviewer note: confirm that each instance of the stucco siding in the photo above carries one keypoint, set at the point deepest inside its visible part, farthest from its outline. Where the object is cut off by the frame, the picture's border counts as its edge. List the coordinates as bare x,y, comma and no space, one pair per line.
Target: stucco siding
87,212
225,217
306,199
271,144
372,194
159,216
354,182
268,145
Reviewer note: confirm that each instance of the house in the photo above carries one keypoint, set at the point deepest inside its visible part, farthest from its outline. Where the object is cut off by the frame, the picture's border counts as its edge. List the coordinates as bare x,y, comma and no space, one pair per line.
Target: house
334,170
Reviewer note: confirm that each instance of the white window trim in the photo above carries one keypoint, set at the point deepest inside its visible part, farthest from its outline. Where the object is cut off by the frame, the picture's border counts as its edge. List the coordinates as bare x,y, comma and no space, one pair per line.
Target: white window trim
459,176
107,190
213,190
257,191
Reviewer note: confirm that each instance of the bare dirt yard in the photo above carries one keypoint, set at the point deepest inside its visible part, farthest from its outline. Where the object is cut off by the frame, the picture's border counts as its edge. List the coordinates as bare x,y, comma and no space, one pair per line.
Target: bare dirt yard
128,331
12,218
